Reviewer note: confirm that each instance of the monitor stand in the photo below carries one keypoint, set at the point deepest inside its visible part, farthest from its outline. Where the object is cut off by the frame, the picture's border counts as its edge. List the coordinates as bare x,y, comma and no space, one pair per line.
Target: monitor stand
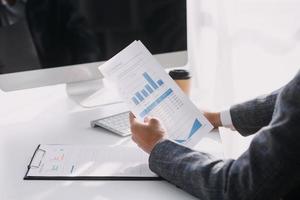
93,93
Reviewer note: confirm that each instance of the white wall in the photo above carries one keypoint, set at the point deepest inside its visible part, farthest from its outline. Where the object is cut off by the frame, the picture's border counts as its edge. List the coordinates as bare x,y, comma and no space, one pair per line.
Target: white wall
242,48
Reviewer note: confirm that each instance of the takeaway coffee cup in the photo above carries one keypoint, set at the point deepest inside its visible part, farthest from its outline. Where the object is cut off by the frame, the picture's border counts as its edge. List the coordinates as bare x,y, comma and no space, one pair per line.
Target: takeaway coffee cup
182,78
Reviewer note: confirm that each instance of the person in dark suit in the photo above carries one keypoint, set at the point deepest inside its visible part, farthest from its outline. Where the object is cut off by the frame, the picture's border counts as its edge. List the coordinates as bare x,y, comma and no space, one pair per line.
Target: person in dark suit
69,32
59,32
269,169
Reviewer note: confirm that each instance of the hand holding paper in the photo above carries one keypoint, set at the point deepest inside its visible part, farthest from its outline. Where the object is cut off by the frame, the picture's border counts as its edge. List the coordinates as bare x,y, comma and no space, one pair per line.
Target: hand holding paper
146,135
149,91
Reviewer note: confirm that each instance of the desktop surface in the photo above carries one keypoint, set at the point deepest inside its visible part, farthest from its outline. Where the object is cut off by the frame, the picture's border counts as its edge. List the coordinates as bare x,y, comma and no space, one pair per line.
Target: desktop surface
47,116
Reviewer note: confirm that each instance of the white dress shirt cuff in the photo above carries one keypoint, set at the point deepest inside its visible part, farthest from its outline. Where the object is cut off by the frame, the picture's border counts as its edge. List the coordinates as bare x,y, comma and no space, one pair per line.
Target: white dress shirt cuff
226,119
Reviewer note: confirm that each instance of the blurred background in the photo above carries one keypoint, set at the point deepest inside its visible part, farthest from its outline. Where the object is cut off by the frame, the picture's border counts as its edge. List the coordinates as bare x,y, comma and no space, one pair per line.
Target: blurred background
240,49
54,33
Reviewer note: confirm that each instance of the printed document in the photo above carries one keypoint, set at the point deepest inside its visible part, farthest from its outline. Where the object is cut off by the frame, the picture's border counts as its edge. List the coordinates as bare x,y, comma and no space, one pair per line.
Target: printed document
87,162
149,91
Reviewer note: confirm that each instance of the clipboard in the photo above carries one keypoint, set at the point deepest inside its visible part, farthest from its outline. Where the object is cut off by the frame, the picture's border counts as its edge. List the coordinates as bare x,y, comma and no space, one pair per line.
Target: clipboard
78,163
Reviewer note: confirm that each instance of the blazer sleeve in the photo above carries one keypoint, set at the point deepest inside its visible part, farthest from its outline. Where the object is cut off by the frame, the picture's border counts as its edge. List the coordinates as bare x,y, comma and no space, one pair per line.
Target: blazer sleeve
269,169
249,117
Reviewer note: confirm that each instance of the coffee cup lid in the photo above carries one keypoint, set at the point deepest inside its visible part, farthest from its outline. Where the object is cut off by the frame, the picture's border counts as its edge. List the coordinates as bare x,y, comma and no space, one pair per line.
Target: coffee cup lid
178,74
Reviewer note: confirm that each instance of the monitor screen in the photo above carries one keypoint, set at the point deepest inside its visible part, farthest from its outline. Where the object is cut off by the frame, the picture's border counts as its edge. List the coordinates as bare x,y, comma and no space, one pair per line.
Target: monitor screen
38,34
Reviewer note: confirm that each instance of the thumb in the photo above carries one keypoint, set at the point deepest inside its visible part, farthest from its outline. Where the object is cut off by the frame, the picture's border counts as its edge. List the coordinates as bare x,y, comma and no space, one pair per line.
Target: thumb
154,121
147,119
134,124
132,118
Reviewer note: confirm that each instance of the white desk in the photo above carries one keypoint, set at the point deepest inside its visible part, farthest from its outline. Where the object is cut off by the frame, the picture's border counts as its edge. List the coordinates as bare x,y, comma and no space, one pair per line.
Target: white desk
48,116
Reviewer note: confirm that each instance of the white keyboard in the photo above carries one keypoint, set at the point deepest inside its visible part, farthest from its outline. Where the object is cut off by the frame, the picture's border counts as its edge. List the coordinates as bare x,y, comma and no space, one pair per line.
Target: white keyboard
118,124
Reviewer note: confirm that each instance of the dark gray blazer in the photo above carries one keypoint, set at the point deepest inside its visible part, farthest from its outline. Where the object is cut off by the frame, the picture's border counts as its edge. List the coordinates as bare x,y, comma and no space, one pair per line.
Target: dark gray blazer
269,169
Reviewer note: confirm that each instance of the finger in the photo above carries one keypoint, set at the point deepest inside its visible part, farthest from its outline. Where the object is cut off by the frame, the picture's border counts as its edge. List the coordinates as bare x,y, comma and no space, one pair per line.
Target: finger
147,119
133,138
138,128
131,118
135,124
154,121
131,114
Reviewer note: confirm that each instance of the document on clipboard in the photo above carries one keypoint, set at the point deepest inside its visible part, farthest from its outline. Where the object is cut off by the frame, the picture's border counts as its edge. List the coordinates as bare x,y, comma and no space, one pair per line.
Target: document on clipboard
78,162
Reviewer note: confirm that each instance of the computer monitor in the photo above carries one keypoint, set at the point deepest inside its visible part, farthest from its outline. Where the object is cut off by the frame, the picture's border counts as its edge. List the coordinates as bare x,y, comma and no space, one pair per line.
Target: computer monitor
46,42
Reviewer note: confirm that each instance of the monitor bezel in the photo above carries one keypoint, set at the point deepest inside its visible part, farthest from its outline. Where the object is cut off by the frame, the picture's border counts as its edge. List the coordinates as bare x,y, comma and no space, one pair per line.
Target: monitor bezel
74,73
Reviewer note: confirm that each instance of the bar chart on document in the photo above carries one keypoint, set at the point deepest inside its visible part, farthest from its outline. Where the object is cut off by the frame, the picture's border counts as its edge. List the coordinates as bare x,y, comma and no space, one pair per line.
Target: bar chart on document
149,91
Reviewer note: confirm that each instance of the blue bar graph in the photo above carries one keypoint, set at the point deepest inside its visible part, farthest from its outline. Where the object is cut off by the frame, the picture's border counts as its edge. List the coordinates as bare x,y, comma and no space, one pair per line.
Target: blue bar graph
139,96
145,93
160,82
156,103
149,89
134,99
150,80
